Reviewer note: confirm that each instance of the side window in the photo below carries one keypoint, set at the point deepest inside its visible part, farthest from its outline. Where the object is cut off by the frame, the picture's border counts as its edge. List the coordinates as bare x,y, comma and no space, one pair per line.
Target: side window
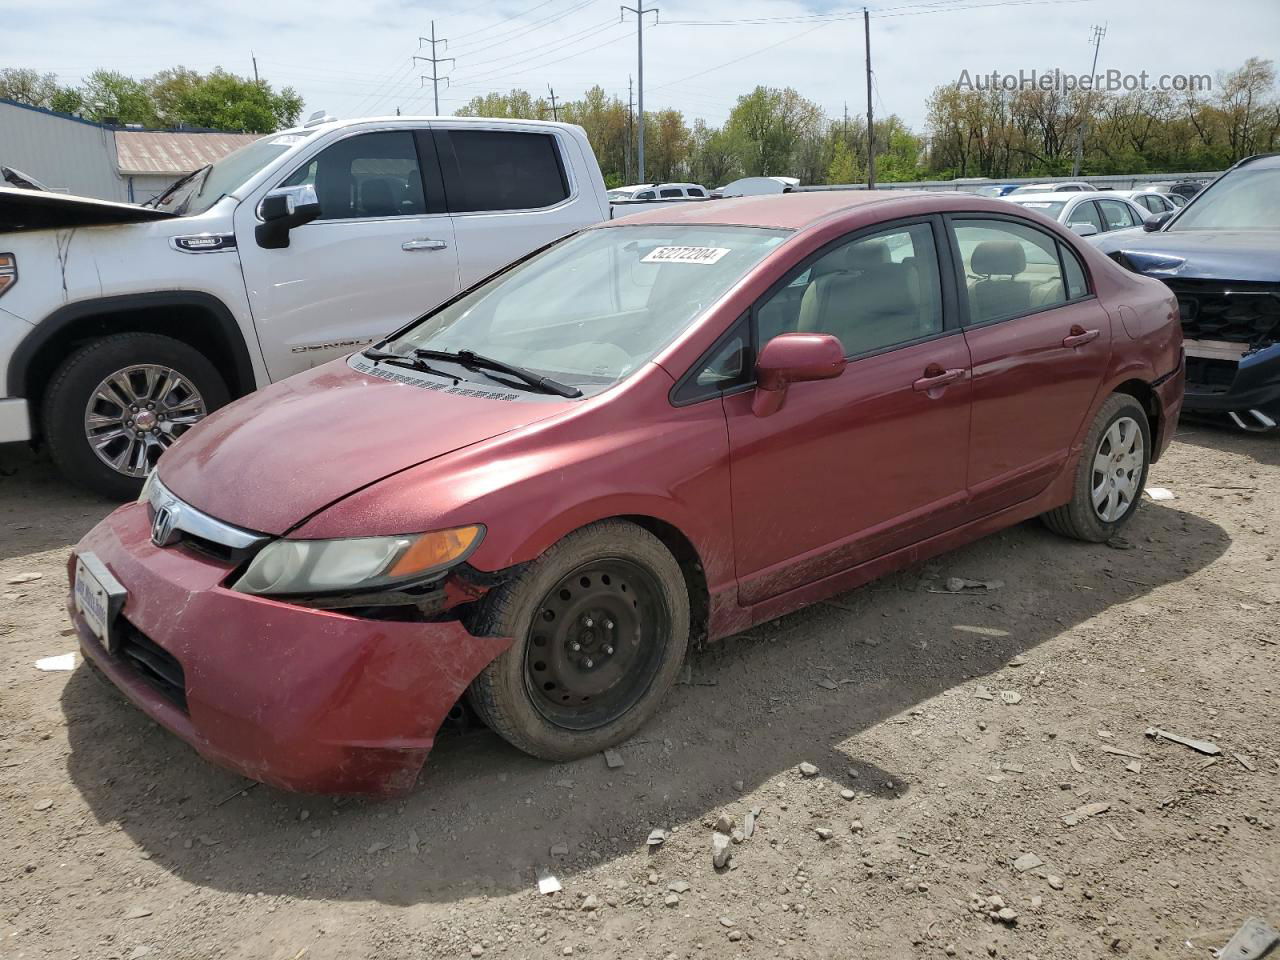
501,170
727,365
646,195
671,192
365,176
697,192
1077,286
1010,269
1150,201
1086,212
870,293
1116,214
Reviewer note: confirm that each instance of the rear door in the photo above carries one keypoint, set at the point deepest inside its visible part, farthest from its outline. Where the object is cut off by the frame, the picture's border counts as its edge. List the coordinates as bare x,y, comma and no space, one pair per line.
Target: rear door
381,253
855,467
1117,214
1040,342
509,192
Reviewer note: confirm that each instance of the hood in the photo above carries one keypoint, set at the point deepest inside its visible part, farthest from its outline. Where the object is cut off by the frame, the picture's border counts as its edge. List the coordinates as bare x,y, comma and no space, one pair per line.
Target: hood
276,457
1202,254
37,210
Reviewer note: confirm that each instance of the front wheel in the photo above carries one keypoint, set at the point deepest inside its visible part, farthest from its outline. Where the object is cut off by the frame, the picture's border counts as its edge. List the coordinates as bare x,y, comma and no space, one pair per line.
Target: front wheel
116,404
600,625
1111,474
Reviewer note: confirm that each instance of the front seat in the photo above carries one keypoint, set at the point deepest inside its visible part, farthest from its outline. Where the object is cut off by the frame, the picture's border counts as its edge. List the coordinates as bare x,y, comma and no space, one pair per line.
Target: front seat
999,297
866,305
377,199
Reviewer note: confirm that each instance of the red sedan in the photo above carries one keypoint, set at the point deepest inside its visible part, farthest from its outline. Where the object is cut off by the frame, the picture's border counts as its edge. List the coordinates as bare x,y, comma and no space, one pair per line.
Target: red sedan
671,427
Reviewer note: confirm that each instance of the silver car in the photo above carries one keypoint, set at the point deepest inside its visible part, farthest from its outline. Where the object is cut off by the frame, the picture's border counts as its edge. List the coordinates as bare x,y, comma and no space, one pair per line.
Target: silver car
1087,214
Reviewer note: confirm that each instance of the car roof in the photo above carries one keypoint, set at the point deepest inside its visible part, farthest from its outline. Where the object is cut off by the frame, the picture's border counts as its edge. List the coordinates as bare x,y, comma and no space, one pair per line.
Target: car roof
1053,196
798,210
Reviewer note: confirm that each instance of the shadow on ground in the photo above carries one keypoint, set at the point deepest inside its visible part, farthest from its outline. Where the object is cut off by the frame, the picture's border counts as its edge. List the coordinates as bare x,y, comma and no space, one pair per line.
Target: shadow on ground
1264,448
484,816
39,510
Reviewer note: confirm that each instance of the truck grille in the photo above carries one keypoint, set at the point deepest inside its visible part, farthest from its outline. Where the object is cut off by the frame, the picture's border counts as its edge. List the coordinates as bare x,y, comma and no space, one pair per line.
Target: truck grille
1238,312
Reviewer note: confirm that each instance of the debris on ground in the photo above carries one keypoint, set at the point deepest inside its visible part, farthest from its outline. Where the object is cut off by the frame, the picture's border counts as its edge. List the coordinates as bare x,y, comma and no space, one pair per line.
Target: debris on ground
721,850
612,759
1011,697
1080,814
1200,746
547,883
724,824
749,823
1159,493
807,769
965,585
1245,762
28,577
824,833
65,661
982,693
657,836
1252,941
1028,861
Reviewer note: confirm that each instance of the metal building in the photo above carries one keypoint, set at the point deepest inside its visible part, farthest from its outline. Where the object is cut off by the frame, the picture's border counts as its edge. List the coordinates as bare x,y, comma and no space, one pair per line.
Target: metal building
71,155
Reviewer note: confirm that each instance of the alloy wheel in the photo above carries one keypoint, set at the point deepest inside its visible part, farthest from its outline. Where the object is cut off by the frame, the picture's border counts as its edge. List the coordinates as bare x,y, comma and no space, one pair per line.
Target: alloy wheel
596,642
1117,469
136,413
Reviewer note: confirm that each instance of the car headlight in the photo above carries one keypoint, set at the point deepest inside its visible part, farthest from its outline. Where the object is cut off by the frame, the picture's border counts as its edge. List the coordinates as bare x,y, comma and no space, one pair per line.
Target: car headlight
358,563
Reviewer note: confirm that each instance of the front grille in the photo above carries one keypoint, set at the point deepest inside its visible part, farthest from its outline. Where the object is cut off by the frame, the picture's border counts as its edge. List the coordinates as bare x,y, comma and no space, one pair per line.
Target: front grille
1210,374
157,666
1237,312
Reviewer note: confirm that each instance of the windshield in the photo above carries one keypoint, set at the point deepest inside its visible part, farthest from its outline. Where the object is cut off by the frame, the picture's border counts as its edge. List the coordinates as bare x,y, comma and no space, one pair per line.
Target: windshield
1242,200
205,189
592,309
1050,208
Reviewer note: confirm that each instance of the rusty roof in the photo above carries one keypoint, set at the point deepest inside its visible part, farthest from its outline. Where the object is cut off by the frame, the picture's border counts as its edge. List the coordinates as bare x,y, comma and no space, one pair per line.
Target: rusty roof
173,154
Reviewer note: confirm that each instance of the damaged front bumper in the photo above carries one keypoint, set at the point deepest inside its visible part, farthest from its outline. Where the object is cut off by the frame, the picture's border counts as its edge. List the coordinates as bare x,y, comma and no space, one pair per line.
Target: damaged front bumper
300,698
1244,385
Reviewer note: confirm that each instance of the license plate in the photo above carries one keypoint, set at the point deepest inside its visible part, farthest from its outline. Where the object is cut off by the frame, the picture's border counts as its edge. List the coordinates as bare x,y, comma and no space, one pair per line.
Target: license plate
98,598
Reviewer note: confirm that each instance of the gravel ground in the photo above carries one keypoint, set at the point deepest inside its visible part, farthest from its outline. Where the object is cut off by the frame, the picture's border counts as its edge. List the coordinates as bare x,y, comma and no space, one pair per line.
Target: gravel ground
953,736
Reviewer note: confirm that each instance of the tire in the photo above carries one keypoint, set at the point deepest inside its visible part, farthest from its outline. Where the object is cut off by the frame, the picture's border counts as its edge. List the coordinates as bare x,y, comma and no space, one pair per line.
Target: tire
1079,518
75,385
645,647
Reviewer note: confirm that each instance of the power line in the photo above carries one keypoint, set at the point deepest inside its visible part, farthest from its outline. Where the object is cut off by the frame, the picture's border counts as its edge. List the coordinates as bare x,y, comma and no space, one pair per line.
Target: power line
551,46
515,16
745,56
517,69
903,10
523,30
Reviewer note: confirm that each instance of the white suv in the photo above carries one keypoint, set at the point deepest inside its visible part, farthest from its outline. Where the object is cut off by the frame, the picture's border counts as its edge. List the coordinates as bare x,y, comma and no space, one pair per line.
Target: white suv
120,326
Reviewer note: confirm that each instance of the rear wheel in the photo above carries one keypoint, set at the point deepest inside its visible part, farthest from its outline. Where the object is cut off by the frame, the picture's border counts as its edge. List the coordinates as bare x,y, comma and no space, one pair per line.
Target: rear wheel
115,405
600,625
1111,473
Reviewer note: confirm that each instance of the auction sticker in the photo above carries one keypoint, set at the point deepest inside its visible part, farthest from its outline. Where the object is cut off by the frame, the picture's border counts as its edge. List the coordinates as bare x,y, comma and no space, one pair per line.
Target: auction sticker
684,255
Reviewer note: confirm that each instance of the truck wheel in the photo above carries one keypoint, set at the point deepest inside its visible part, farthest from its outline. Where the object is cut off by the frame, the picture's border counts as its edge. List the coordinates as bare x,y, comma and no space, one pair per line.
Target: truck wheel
1110,476
601,623
116,404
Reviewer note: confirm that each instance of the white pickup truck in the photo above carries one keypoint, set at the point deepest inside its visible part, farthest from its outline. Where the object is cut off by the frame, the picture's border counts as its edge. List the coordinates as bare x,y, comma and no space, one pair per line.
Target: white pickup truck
120,326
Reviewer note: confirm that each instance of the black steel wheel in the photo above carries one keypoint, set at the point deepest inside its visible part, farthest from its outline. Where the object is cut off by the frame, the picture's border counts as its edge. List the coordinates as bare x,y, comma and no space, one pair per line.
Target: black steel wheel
597,637
600,623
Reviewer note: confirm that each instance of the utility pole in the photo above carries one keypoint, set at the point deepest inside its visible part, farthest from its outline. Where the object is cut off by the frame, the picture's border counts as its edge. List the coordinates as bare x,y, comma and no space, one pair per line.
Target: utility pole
1096,38
555,114
871,125
626,160
256,82
640,11
435,62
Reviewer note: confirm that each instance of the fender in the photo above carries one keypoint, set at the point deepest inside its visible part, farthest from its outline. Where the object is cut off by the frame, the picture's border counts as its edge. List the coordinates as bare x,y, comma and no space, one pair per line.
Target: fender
53,324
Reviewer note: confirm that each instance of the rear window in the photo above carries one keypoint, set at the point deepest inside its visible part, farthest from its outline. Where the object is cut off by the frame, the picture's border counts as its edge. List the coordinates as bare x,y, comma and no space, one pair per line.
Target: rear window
671,192
502,170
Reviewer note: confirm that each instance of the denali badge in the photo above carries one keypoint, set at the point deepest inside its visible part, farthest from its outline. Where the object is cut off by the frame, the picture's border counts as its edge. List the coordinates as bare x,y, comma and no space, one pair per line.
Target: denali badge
163,524
204,242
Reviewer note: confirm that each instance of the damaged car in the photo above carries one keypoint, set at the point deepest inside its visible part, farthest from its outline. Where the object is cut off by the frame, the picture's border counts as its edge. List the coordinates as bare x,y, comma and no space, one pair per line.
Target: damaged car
658,431
1220,255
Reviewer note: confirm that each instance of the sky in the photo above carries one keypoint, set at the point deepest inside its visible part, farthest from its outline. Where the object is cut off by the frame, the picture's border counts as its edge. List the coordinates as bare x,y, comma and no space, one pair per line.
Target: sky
355,59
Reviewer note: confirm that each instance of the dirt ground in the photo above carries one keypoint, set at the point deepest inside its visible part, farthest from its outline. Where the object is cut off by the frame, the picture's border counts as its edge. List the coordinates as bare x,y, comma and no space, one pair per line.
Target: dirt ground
117,841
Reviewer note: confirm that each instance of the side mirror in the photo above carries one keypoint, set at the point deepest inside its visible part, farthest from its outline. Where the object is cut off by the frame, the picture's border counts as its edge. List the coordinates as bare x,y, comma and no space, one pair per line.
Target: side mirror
793,358
1156,221
282,210
1083,229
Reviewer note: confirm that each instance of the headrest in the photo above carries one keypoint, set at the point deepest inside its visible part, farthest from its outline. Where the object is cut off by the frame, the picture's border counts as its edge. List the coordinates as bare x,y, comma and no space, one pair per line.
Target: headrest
1004,257
864,256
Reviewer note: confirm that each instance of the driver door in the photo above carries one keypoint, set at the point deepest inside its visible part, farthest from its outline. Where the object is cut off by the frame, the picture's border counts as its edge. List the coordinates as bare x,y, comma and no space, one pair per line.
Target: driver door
381,253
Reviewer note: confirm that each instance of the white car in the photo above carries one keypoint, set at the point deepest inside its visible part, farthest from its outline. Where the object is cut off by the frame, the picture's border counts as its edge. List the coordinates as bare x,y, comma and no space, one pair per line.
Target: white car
1152,201
1067,186
659,191
1088,214
120,326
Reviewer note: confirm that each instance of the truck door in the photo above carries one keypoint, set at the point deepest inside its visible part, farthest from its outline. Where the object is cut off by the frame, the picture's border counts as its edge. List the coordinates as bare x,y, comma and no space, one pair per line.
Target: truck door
381,253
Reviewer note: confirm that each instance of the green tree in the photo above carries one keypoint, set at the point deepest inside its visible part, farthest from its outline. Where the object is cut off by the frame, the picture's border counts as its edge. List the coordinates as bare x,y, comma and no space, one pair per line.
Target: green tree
110,95
516,105
767,124
28,86
221,100
841,169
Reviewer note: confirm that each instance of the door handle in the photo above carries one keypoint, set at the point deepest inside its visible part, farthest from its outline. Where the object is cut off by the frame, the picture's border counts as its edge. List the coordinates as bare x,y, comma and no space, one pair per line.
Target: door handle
935,376
423,244
1079,336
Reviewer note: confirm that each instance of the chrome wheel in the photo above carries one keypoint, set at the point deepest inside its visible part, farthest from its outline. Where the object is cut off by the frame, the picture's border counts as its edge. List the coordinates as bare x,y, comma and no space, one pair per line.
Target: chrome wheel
136,413
1117,469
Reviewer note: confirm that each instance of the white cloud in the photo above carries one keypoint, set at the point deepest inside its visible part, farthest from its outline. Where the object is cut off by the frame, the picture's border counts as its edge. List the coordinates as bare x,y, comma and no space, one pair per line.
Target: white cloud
354,59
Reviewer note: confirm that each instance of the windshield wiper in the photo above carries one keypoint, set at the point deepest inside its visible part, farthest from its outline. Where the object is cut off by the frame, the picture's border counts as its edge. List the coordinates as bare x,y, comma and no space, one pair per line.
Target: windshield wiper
181,181
411,363
468,358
